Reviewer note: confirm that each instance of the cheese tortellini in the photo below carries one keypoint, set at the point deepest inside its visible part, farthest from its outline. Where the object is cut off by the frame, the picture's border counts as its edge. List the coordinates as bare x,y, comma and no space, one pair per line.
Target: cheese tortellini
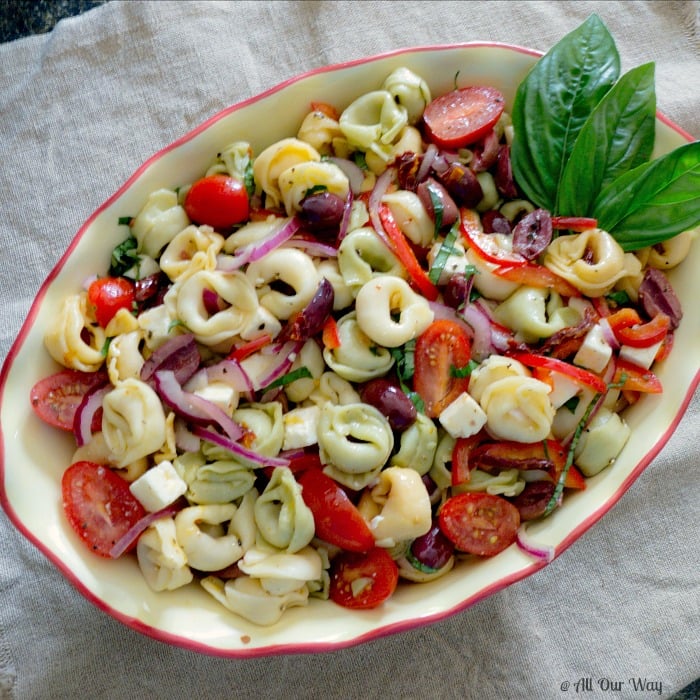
158,222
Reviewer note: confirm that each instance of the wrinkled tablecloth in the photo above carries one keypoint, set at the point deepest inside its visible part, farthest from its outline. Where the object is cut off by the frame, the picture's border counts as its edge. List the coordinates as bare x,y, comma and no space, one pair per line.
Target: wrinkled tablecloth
80,109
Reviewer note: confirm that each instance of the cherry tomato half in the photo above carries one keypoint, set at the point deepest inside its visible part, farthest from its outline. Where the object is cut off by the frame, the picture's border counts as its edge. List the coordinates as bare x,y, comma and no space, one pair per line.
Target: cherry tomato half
463,116
336,518
219,201
109,294
479,523
98,505
56,398
441,351
363,580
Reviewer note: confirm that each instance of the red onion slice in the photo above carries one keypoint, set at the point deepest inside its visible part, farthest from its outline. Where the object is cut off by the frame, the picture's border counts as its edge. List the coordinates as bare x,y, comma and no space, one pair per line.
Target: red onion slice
345,221
86,411
192,407
480,324
312,247
427,162
129,538
287,353
353,171
238,449
608,334
178,354
380,188
541,552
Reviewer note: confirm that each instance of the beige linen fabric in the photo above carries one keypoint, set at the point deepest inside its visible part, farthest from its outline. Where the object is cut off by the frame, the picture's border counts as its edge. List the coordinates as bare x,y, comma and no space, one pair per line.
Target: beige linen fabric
80,110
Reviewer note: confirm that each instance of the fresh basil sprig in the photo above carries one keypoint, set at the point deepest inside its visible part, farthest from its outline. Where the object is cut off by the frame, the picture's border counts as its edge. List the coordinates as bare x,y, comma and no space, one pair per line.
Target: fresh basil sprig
584,137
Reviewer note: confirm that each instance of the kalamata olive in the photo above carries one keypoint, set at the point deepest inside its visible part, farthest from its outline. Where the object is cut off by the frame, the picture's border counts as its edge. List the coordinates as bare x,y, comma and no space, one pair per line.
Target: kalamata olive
150,290
310,320
484,153
656,296
533,499
493,221
390,401
503,177
430,188
462,184
457,290
407,166
322,212
432,549
532,234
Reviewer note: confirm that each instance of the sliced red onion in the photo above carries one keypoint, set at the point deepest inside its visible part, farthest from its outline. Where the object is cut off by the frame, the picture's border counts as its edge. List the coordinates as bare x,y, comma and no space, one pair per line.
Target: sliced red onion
287,353
380,188
354,172
192,407
480,324
442,311
427,162
238,449
261,248
541,552
608,334
86,411
313,247
129,538
178,354
345,221
230,372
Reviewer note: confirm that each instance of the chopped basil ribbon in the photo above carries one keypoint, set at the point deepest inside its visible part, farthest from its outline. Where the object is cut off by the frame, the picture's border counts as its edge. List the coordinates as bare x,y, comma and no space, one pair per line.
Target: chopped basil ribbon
300,373
584,136
125,220
462,372
405,368
438,209
447,247
418,564
124,256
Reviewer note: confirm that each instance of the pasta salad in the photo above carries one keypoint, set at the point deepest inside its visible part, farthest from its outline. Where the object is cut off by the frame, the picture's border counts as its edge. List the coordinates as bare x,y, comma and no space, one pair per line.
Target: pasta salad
374,349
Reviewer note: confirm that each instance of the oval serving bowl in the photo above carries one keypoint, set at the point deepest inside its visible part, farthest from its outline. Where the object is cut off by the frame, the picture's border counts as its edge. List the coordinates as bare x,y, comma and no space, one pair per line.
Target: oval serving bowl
34,455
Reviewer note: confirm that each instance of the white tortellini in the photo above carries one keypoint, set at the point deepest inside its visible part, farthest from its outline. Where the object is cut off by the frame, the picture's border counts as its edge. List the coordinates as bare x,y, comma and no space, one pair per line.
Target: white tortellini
518,408
295,182
161,559
398,507
333,389
207,544
390,313
601,442
411,216
284,521
246,597
158,222
343,295
280,572
486,282
96,450
355,442
410,91
234,160
535,313
264,421
124,358
362,255
193,249
274,160
358,358
373,122
440,472
492,369
417,445
186,299
217,481
293,267
508,482
133,421
592,261
322,131
254,232
669,253
157,325
64,337
311,357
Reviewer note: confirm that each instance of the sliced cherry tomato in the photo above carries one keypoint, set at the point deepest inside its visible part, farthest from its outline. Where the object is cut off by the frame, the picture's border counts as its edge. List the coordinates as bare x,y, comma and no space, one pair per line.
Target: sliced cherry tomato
247,349
325,108
631,377
363,580
297,463
109,294
479,523
463,116
219,201
330,336
461,467
418,276
337,519
56,398
440,350
643,335
573,223
578,374
484,244
99,505
534,275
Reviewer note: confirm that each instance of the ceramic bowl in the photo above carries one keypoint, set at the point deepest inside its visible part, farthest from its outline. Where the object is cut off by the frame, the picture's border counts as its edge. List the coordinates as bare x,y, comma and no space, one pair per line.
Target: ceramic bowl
35,455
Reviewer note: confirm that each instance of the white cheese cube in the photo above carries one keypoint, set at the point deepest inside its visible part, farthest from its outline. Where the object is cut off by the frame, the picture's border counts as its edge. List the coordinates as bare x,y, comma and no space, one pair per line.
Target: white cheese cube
463,417
158,487
220,394
595,352
642,357
300,427
563,389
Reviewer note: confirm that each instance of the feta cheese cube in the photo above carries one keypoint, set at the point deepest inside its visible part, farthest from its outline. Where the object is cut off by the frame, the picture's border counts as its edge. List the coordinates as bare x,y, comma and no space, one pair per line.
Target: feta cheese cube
300,427
642,357
220,394
158,487
563,389
463,417
595,352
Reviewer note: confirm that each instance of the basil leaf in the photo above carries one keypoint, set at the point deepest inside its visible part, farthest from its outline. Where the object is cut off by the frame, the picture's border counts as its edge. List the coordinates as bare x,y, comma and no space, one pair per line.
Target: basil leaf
553,102
617,137
654,201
